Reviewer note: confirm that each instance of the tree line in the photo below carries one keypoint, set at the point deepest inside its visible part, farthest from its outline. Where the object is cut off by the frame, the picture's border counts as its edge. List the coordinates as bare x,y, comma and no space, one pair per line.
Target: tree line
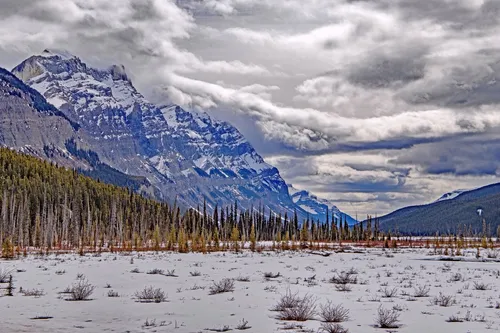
44,206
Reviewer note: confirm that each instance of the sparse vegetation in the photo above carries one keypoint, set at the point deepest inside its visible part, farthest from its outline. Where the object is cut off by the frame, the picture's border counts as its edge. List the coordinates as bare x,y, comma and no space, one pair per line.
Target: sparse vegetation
223,286
150,295
331,313
81,290
387,318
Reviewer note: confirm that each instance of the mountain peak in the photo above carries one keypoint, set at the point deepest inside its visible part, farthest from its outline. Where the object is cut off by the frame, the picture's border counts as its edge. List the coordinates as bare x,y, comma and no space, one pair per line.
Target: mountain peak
118,73
63,54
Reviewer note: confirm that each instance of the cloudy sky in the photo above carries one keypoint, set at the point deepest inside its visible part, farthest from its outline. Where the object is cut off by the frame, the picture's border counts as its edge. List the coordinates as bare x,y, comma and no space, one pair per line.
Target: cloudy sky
376,104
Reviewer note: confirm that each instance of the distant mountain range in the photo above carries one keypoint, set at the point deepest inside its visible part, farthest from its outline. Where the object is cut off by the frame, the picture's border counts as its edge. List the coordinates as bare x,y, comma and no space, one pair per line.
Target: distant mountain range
318,208
449,213
95,120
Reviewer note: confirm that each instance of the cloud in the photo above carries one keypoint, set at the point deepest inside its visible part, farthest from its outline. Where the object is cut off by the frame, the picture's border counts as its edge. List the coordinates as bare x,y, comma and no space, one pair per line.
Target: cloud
373,102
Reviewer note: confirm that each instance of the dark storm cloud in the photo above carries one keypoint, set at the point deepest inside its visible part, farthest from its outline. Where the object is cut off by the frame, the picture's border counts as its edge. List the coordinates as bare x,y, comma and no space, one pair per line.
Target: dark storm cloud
460,156
400,65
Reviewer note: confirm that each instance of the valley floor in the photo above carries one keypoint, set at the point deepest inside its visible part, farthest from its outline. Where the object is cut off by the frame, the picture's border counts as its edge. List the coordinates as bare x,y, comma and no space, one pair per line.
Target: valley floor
190,308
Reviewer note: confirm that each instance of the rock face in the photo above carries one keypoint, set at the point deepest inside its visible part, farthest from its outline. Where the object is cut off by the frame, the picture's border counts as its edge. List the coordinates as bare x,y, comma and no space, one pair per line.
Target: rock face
29,124
186,155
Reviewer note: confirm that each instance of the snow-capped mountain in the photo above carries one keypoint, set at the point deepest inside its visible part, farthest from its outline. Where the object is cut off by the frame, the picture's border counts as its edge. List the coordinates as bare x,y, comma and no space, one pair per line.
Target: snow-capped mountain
316,207
186,155
451,195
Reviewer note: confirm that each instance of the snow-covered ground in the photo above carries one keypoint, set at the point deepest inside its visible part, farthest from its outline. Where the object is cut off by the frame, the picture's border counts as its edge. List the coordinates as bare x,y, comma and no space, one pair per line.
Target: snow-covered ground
190,307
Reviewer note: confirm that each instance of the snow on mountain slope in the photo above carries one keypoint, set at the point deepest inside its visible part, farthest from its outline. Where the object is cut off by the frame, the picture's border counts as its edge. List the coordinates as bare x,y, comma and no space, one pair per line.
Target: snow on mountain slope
451,195
186,154
317,207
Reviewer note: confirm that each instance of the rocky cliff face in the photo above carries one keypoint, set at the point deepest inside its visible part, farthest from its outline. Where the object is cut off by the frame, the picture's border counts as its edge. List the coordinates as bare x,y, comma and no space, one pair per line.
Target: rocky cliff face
186,155
29,124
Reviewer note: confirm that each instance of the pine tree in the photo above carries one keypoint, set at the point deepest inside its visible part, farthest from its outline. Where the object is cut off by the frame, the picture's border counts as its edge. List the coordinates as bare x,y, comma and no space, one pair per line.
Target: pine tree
7,249
252,238
235,237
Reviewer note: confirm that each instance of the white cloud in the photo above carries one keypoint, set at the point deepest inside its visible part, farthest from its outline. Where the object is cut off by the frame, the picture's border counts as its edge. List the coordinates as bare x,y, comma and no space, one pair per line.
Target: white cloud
319,76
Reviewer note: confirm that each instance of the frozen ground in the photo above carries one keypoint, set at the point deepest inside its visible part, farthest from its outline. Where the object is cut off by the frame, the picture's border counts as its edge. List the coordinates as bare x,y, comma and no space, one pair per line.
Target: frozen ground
190,308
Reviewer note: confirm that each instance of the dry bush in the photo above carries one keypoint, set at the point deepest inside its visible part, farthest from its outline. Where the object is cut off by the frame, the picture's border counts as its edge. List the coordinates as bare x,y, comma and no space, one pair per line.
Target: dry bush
332,328
195,273
331,313
421,291
171,273
243,278
304,310
150,295
389,292
387,318
33,292
454,319
223,286
4,275
81,290
243,325
287,301
481,286
344,278
156,271
443,300
113,293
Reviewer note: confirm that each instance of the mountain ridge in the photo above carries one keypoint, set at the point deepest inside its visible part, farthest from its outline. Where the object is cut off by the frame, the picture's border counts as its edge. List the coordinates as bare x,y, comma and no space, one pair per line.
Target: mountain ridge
187,156
450,215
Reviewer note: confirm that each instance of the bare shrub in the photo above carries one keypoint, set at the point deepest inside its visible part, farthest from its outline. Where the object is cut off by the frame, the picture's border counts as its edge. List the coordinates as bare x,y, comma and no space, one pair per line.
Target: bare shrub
389,292
344,278
243,325
287,301
150,295
304,310
135,270
113,293
155,271
444,300
171,273
331,313
4,275
481,286
332,328
223,286
387,318
81,290
195,273
33,292
243,279
454,319
421,291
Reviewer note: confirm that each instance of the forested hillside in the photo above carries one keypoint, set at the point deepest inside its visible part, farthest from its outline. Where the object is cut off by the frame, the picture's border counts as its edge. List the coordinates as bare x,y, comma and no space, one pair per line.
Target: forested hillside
46,207
459,215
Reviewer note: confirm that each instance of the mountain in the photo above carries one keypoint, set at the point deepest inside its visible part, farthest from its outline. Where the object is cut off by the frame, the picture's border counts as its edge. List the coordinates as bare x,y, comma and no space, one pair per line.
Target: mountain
459,208
187,156
451,195
317,208
32,125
